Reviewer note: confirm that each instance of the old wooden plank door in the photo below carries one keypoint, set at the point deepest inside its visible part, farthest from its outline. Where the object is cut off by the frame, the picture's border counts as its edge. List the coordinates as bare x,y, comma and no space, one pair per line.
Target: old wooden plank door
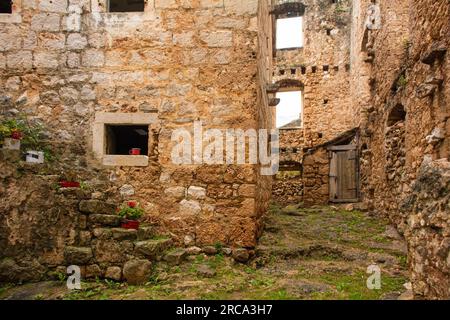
344,184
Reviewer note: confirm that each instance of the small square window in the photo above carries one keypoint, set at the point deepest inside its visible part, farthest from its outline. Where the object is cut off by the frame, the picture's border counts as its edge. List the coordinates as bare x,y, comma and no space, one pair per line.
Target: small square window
6,6
126,140
289,33
126,5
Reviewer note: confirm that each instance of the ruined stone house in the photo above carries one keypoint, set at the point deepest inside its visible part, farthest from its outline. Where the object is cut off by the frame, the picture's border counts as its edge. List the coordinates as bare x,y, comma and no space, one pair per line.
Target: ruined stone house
372,125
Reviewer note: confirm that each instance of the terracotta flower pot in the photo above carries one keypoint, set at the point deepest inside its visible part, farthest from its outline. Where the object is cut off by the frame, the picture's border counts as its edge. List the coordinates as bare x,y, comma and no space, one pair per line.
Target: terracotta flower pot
130,224
69,184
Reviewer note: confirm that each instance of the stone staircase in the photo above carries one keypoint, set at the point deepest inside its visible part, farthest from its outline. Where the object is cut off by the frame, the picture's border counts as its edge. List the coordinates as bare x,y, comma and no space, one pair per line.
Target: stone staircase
104,250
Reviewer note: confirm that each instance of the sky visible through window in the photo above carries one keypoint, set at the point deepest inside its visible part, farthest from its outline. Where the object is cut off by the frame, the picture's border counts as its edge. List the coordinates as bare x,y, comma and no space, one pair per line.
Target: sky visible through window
289,33
289,109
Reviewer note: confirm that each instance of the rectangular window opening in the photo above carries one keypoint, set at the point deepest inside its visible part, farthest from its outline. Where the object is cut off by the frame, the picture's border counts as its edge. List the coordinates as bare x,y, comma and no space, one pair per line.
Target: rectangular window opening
6,6
289,33
127,139
126,5
289,110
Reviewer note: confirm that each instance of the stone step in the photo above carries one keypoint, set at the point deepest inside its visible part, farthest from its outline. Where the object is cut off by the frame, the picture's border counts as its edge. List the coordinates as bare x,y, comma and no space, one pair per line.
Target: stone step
176,256
77,255
143,233
105,220
152,249
97,207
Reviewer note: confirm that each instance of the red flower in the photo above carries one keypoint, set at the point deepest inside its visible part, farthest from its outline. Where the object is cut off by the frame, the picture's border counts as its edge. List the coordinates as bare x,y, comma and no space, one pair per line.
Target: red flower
132,204
17,135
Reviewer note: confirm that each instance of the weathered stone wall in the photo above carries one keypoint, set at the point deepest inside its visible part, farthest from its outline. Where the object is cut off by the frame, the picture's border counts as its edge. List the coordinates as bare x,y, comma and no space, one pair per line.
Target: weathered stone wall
408,66
316,169
322,66
64,62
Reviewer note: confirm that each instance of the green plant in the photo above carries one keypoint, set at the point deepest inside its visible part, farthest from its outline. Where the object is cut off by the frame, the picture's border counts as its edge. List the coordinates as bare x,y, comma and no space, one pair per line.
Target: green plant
402,81
31,135
130,211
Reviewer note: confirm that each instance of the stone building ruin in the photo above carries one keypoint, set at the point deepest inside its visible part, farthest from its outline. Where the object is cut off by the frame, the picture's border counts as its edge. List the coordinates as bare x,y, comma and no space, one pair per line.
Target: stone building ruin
373,125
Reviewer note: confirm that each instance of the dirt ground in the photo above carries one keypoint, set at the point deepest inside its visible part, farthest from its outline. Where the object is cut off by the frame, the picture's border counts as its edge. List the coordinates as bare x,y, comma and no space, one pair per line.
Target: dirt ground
304,253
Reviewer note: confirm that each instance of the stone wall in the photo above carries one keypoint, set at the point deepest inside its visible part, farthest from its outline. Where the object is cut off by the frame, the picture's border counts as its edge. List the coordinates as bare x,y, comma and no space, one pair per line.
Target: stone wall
64,63
322,66
404,164
316,169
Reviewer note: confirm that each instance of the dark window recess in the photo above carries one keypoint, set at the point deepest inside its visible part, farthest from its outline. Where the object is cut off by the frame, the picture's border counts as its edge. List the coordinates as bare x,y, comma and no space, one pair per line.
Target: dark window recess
126,5
121,139
325,101
314,69
5,6
397,114
293,71
326,68
303,70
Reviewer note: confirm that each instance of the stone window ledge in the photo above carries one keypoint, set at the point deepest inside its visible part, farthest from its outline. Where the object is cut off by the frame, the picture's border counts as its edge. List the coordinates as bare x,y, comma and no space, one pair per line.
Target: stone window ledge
10,18
125,161
102,119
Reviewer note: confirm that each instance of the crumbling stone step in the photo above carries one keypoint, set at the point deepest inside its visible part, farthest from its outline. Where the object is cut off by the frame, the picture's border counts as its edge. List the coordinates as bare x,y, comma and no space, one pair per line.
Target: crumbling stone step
144,233
152,249
77,255
97,207
105,220
176,256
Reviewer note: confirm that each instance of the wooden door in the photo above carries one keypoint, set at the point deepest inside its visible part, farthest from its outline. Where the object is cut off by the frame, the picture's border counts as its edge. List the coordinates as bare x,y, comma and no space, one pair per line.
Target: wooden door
344,182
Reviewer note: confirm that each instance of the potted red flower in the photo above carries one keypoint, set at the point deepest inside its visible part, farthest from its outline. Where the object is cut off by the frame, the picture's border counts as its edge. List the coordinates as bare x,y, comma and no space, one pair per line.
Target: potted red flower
130,214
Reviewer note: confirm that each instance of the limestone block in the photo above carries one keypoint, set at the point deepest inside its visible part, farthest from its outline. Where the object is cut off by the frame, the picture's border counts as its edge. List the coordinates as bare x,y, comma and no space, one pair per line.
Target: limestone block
53,6
93,271
55,41
97,207
190,207
105,220
9,40
126,190
165,4
176,256
110,251
20,60
45,22
102,233
114,273
217,39
241,7
197,192
72,22
93,58
87,94
76,41
176,192
73,60
152,248
48,60
211,3
124,234
77,255
137,272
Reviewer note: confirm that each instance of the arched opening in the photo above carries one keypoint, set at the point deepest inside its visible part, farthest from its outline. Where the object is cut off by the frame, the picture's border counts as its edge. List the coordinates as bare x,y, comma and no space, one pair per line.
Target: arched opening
289,112
397,114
